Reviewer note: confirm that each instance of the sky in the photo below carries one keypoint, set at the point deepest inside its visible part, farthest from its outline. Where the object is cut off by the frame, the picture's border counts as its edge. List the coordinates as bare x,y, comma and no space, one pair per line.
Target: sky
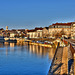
28,14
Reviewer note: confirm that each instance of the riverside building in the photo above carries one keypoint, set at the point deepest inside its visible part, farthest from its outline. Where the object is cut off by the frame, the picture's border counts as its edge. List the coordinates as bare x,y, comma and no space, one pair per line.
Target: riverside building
59,29
73,30
35,33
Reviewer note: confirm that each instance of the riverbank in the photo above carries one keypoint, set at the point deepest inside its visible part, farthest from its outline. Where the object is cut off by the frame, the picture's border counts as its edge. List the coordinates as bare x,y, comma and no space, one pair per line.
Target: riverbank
59,63
43,39
39,44
63,61
45,43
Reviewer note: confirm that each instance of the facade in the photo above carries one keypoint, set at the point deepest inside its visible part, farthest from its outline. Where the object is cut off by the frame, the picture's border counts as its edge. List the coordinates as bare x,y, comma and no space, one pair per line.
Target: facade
59,29
1,30
45,32
35,33
73,30
54,30
12,35
39,33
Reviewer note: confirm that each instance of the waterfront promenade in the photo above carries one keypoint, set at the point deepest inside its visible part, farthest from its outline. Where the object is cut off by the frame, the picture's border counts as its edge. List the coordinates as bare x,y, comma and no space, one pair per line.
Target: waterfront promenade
59,63
63,61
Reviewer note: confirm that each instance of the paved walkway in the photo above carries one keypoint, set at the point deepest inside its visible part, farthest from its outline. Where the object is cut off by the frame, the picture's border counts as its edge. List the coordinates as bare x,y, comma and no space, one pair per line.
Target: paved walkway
63,62
70,57
59,65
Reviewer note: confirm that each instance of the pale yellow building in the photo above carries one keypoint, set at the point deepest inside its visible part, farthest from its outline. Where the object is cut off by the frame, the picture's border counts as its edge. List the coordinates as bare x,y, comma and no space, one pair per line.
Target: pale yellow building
35,33
60,29
54,30
12,35
45,32
73,30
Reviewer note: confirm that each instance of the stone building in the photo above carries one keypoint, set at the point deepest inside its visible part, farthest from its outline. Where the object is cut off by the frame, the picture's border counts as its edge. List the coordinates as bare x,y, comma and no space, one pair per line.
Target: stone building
31,34
59,29
12,35
73,30
35,33
45,32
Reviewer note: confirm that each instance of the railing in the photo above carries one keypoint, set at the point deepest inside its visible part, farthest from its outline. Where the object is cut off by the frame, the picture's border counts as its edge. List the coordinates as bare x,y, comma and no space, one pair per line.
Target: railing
72,48
73,56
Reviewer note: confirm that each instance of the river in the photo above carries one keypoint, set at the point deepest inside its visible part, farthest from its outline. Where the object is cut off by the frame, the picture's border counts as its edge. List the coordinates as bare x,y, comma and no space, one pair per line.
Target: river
24,59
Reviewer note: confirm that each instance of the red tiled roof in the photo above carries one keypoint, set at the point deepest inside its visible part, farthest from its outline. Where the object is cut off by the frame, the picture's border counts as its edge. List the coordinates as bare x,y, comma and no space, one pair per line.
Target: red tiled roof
33,30
65,24
39,28
1,29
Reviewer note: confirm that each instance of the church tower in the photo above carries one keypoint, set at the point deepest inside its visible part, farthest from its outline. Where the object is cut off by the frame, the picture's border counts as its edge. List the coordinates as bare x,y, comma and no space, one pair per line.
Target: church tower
6,27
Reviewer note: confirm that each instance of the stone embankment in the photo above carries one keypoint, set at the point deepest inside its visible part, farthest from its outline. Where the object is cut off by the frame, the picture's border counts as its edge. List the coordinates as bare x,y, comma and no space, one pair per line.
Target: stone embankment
63,62
59,64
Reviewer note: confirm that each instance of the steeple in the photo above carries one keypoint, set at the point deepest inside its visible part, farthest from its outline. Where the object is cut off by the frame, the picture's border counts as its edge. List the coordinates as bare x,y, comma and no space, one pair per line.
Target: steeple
6,27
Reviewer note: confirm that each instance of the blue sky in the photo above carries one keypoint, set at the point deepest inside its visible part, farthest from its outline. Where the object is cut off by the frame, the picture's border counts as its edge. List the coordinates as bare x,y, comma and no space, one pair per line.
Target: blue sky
17,14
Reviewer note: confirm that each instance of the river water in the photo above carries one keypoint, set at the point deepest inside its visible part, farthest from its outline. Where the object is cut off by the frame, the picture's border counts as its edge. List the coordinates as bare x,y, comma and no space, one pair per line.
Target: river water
24,59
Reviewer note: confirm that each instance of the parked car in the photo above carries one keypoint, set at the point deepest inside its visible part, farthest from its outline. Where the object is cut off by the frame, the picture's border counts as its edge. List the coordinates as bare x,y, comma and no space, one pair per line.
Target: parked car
33,41
38,41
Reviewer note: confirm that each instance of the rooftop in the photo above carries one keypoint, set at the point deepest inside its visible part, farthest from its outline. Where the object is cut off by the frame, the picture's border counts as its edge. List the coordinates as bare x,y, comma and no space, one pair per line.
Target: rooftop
62,24
33,30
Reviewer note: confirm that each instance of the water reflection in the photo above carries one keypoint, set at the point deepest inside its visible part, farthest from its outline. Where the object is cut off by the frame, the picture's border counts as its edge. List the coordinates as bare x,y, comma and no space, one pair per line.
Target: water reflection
2,44
42,51
6,51
23,59
33,49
